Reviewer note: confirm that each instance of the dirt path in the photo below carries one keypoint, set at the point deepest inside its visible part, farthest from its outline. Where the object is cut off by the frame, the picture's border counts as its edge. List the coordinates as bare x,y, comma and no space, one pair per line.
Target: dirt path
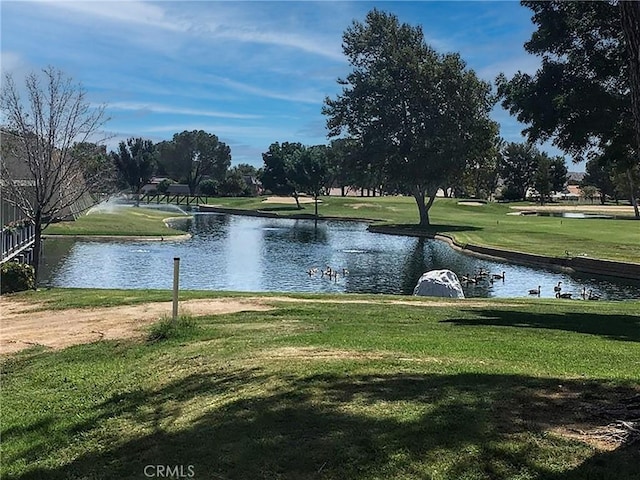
26,324
23,327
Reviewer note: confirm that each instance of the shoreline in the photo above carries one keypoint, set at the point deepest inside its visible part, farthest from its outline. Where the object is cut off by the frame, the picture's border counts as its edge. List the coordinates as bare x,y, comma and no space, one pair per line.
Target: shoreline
147,238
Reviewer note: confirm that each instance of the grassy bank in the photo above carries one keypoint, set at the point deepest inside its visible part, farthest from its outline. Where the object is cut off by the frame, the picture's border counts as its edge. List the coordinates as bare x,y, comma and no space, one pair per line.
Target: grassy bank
330,389
129,221
487,225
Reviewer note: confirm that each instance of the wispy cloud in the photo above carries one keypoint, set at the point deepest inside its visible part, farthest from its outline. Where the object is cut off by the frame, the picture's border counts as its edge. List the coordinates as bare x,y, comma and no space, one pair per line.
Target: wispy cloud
304,96
204,26
155,108
138,13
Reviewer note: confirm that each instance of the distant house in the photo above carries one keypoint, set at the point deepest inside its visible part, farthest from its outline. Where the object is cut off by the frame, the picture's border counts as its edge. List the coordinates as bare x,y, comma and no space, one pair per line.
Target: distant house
178,189
254,185
18,171
152,186
571,192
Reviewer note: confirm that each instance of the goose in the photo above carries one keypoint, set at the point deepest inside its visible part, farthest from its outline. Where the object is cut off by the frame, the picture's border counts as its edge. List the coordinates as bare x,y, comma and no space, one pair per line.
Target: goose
497,276
563,295
534,291
469,279
557,288
592,296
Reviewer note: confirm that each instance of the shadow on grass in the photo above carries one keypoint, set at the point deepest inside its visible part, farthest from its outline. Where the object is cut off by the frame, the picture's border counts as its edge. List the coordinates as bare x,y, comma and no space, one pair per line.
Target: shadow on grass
249,424
616,327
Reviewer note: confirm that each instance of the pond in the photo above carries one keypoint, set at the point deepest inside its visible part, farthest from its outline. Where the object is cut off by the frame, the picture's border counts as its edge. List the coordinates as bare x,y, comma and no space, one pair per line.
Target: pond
238,253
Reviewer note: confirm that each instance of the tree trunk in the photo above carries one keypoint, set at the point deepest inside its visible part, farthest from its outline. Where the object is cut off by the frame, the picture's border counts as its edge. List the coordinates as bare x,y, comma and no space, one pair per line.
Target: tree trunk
295,195
316,206
632,195
342,191
630,16
418,195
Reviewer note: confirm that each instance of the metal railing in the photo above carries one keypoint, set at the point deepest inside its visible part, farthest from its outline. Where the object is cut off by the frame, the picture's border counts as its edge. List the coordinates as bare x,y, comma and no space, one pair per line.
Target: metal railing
16,239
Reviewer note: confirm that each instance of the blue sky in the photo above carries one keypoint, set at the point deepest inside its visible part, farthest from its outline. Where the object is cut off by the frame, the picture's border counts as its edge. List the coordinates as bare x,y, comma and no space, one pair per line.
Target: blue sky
252,73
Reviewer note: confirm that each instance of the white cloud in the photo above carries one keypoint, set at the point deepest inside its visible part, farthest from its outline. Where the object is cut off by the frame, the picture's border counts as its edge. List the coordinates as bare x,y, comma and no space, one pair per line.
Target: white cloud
308,96
211,24
155,108
11,62
140,13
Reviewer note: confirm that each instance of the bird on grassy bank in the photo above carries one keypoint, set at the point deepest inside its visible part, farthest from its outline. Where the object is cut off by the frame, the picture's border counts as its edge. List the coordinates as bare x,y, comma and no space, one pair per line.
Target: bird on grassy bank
564,295
498,276
534,291
557,288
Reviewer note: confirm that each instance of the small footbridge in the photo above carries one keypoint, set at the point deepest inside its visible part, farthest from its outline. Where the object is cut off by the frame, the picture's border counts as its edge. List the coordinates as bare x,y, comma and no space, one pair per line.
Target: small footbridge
17,240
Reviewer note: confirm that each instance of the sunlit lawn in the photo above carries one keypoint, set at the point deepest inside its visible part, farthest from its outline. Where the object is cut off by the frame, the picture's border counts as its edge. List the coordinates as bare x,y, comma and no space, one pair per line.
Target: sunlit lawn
128,221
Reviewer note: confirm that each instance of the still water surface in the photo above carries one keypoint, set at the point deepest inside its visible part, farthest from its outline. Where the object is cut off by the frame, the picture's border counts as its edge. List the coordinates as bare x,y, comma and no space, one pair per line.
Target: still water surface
237,253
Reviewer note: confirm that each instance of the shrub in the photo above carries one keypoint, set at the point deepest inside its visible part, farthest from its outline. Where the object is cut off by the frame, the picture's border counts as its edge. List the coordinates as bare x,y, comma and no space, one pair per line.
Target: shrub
209,187
182,328
163,186
16,277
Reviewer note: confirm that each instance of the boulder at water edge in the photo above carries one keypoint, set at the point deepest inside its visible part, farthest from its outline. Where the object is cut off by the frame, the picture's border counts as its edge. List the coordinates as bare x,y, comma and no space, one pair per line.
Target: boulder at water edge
439,283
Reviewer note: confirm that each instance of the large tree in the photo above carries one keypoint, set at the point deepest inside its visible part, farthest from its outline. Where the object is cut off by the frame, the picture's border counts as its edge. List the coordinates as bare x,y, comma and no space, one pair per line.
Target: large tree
580,98
135,161
308,170
191,156
53,116
550,175
599,173
276,175
415,112
518,166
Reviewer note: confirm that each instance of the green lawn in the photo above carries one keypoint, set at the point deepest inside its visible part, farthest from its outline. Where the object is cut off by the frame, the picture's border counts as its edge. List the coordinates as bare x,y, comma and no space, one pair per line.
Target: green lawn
324,389
128,221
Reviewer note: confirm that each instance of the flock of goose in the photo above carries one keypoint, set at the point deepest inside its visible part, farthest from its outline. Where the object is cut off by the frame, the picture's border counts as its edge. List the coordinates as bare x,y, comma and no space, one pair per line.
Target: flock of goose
486,276
482,276
328,272
585,294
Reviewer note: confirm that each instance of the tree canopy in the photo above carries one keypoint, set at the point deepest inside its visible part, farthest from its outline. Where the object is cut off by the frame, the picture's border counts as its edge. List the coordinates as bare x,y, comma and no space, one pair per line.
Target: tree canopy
276,174
135,161
415,113
191,156
580,98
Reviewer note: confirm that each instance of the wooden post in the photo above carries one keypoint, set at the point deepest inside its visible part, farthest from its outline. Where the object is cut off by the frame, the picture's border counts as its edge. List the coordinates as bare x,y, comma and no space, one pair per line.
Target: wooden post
176,280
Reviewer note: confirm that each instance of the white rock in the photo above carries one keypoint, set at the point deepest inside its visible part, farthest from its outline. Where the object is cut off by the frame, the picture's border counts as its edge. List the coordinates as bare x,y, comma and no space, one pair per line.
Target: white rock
439,283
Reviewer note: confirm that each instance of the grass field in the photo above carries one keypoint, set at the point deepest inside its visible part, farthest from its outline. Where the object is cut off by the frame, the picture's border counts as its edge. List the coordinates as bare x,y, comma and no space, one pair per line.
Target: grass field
128,221
323,388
